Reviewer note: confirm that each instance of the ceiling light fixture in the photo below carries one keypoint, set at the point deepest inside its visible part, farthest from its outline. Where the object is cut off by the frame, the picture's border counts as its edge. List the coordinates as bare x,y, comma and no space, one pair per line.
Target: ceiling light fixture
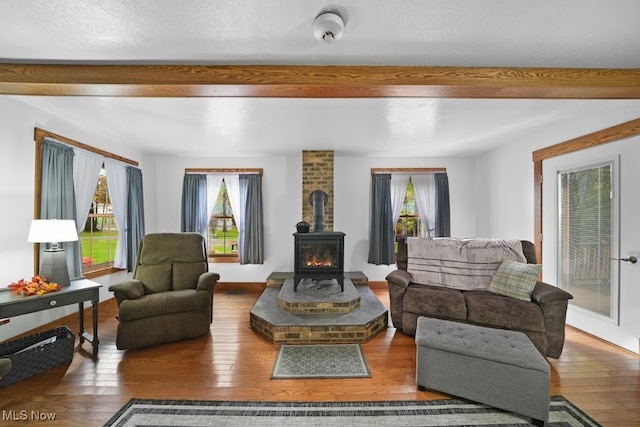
328,27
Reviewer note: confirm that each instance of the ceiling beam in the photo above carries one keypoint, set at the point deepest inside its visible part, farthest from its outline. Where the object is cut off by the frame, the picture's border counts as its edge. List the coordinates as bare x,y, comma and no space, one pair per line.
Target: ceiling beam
291,81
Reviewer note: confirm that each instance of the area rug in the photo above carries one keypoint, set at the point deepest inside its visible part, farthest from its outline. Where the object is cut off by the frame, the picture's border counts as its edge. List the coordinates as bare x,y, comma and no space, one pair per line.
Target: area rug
451,412
320,361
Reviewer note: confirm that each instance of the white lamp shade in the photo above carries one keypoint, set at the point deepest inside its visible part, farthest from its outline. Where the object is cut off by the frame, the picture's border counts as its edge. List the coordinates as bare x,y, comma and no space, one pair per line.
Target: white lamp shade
52,230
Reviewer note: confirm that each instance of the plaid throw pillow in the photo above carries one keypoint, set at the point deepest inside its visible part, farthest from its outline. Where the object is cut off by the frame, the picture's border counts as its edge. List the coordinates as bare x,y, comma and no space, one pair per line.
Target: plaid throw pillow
515,279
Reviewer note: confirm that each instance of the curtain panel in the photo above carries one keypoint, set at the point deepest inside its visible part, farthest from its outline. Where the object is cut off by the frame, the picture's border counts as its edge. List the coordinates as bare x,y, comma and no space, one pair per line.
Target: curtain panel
232,183
251,242
381,236
214,183
194,204
57,195
424,191
443,212
135,215
86,171
399,182
117,186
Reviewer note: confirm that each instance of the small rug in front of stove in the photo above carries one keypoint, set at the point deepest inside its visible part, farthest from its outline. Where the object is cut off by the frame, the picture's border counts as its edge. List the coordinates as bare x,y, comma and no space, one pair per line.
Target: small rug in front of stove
320,361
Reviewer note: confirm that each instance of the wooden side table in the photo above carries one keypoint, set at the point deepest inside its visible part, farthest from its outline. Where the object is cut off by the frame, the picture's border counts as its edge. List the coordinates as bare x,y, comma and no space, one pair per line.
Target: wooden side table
77,292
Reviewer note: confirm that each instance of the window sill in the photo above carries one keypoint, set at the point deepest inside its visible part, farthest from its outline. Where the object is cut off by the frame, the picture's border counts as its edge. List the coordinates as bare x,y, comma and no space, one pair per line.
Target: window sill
101,272
226,259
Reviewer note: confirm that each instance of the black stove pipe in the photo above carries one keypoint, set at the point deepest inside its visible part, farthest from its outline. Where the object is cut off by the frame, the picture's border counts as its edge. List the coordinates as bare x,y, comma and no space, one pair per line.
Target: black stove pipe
318,200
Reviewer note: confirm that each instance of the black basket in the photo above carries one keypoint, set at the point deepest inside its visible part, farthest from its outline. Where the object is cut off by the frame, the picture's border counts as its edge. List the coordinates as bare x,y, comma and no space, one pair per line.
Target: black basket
39,358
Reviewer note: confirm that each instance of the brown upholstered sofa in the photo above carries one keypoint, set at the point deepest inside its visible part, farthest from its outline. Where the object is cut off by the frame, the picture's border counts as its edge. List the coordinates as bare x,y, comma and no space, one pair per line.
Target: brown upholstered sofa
170,296
542,319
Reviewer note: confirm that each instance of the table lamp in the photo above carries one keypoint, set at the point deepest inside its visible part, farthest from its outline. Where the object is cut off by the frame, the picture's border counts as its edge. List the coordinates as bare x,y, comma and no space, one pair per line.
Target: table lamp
53,264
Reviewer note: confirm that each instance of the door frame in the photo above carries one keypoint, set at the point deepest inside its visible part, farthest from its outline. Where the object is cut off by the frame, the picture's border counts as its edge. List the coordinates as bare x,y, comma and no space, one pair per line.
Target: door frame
604,136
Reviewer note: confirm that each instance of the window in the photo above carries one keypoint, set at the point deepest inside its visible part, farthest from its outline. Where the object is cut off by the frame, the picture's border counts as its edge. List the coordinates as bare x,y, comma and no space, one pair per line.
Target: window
223,231
397,195
226,206
71,183
409,224
100,235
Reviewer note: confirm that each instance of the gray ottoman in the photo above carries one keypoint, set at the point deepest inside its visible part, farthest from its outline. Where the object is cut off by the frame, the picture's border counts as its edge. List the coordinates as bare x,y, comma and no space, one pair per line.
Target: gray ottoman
495,367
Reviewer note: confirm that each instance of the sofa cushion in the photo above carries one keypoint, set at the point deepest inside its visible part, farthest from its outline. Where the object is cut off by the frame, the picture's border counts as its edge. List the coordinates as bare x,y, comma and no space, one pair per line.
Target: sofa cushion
515,279
489,309
435,301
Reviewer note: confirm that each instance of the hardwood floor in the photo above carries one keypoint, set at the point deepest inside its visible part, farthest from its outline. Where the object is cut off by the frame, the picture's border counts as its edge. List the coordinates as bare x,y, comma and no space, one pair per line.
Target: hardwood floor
234,363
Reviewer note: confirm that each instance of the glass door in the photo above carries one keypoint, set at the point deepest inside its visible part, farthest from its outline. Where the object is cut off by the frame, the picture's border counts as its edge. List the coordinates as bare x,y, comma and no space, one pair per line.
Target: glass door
585,238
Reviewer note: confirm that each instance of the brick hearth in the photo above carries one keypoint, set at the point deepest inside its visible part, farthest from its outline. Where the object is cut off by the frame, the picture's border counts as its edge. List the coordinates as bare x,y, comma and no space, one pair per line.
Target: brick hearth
318,298
360,316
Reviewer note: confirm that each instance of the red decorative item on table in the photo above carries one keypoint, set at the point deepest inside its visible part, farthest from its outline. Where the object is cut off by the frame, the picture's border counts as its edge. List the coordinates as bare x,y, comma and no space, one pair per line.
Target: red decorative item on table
37,286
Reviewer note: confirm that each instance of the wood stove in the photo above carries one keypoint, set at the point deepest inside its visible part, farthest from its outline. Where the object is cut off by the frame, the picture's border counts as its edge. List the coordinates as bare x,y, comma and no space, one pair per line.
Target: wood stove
319,256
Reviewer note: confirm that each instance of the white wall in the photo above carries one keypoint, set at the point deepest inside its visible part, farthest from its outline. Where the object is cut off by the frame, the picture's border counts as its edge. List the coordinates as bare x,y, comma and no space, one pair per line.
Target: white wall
282,193
504,180
17,148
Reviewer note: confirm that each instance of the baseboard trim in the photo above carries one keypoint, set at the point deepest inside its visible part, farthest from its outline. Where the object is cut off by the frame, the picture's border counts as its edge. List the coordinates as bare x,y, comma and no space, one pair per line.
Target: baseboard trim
378,285
240,286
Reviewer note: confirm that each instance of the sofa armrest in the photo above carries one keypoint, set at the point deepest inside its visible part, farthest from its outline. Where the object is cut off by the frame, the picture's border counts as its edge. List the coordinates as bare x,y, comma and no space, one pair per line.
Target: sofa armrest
207,282
399,278
553,301
398,281
544,293
128,289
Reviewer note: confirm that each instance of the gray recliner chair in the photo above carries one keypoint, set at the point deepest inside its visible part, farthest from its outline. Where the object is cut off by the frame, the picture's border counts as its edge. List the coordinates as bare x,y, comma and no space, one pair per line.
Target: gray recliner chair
170,296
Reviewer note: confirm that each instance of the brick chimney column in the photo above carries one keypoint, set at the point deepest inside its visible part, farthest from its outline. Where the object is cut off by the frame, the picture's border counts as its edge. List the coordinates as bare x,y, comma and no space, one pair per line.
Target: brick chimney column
317,174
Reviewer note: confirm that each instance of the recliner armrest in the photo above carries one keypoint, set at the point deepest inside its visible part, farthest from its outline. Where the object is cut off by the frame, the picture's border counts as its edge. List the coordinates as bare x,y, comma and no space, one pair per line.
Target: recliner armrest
207,281
127,289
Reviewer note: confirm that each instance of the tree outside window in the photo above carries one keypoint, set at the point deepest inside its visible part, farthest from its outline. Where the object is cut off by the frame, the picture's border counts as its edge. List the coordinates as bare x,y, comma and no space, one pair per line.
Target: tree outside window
409,223
100,235
223,231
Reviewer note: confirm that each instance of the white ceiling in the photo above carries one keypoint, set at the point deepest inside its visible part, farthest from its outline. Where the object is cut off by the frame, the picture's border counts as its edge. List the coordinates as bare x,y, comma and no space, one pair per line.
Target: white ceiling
493,33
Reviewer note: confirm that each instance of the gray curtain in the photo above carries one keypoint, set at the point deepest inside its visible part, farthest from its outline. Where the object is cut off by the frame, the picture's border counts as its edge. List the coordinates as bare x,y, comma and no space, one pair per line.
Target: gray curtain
57,195
381,236
194,204
251,246
135,214
443,214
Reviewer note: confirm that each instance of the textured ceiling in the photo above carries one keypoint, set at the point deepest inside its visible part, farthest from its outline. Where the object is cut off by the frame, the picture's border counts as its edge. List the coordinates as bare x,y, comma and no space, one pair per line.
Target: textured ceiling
494,33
